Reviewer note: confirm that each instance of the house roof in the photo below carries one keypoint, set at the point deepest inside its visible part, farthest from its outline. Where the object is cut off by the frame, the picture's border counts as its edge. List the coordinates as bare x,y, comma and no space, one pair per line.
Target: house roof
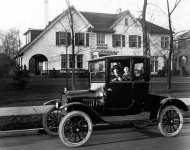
155,29
183,35
98,22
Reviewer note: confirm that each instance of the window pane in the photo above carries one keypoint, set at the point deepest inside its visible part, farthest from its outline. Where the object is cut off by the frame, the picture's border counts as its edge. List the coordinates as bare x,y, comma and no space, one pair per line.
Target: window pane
79,61
63,61
79,39
133,41
117,40
71,62
100,39
97,71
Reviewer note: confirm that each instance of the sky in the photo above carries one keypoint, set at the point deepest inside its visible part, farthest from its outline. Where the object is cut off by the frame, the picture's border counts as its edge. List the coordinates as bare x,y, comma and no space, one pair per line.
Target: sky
24,14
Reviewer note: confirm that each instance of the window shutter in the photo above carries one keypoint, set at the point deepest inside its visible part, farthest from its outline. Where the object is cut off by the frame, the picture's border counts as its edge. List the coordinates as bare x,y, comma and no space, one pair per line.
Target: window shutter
139,41
57,38
87,39
113,41
123,40
69,38
162,42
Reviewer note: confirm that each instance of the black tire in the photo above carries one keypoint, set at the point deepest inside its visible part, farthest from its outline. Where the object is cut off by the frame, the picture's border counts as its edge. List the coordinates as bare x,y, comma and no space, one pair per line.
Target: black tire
75,129
170,121
51,120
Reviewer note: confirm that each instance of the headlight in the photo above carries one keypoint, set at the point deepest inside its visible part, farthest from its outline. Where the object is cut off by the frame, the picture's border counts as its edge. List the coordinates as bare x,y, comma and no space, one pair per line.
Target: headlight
57,105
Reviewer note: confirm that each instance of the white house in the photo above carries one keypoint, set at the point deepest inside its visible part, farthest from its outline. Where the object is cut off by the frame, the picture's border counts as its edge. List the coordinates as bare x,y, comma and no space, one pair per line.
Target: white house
96,35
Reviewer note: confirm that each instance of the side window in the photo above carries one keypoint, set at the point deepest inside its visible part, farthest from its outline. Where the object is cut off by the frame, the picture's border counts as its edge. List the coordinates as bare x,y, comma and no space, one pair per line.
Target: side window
120,71
139,71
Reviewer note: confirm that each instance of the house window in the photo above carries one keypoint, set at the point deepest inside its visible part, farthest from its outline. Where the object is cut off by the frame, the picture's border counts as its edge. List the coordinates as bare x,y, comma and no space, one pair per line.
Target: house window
134,41
165,42
71,61
182,44
79,61
63,38
79,39
126,21
154,64
100,39
63,61
118,40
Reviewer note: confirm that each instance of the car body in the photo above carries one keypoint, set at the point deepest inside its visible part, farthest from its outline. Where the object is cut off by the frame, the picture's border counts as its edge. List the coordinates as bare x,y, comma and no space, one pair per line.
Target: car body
113,95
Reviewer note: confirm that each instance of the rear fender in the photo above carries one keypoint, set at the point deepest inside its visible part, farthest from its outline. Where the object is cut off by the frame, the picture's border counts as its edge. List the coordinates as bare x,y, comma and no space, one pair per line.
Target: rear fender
172,101
81,107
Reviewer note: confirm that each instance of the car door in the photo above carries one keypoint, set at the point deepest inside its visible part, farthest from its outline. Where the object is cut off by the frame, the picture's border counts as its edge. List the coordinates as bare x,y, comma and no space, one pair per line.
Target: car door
119,92
140,83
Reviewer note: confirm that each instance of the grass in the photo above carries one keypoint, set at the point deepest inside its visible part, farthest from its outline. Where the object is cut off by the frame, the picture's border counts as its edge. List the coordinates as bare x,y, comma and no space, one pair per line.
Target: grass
20,122
37,91
40,90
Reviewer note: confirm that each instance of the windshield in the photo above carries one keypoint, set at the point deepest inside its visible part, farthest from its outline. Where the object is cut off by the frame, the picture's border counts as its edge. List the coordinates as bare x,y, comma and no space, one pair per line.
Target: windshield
97,71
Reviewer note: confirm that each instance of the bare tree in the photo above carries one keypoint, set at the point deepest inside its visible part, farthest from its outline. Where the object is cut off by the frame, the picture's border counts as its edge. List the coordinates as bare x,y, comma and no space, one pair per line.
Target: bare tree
11,42
144,27
170,11
71,23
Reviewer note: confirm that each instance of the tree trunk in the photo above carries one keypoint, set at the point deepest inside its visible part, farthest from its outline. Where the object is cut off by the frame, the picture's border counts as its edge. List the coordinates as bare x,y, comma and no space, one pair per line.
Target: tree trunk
144,27
171,48
73,48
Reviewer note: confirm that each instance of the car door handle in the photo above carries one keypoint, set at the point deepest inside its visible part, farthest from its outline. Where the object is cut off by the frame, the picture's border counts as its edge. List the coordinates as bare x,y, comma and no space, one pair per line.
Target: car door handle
109,89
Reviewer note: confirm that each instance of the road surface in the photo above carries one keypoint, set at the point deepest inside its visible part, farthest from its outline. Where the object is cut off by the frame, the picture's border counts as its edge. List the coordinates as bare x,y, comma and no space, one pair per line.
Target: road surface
115,139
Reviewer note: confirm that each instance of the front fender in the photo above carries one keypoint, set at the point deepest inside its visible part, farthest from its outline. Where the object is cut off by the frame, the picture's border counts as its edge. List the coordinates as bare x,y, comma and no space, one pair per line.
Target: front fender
172,101
51,102
82,107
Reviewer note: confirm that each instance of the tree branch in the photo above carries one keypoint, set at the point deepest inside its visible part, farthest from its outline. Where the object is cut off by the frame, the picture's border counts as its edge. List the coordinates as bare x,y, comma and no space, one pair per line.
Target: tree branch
175,6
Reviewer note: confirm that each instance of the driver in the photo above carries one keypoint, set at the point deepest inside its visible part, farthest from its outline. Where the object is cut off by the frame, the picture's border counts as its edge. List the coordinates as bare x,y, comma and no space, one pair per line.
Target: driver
115,75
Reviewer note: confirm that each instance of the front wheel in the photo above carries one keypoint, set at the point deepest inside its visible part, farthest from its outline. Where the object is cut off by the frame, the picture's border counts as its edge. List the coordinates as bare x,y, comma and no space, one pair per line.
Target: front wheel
170,121
75,129
51,120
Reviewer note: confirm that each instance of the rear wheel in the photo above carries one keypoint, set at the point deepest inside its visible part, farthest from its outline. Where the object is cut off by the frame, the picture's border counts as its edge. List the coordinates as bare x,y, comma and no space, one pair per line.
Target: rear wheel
75,129
170,121
51,120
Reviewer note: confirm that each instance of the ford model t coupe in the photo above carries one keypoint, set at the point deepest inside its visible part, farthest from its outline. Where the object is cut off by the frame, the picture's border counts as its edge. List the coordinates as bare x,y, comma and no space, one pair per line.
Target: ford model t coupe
119,89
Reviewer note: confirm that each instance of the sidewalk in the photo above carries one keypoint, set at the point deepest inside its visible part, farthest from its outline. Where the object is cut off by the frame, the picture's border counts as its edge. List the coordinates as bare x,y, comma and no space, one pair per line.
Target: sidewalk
28,111
32,110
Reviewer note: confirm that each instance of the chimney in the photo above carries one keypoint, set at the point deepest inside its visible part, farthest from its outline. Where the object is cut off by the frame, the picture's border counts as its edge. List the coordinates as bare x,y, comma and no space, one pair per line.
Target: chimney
119,10
46,12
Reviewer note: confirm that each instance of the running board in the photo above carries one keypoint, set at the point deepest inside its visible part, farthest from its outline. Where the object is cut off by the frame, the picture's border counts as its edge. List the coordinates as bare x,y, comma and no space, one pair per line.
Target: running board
141,116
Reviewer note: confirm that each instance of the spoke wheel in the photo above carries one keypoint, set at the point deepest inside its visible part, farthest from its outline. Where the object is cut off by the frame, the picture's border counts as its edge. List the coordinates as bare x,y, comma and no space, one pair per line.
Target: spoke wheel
51,120
170,121
75,129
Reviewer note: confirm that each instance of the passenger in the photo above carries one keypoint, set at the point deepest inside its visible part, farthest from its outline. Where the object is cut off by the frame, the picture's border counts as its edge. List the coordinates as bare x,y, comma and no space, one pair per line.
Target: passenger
115,75
126,75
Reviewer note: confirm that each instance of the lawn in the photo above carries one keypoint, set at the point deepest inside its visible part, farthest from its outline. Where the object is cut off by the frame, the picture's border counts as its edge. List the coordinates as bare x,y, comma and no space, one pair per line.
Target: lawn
37,91
40,90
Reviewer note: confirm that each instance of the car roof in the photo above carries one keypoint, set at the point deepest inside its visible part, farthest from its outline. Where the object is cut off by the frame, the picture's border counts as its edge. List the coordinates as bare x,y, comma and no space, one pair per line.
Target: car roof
116,57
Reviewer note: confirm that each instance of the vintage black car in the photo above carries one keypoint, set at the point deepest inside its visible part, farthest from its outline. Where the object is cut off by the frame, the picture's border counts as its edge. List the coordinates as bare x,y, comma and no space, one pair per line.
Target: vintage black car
119,90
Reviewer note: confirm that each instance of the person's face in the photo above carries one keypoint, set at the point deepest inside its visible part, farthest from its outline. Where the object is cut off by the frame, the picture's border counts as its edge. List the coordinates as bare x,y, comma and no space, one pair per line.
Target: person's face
126,69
